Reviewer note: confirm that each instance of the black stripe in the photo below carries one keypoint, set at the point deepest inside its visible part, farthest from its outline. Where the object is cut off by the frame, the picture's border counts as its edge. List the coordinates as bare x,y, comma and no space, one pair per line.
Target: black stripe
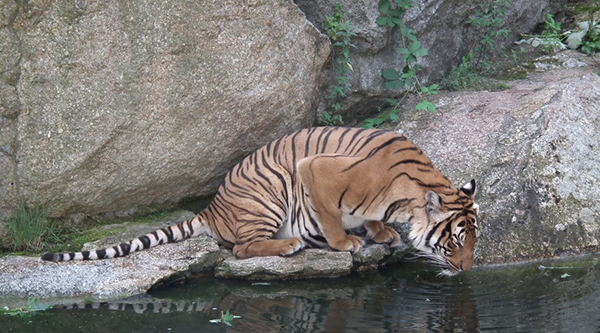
374,150
326,140
428,164
433,231
447,231
359,205
145,241
316,241
293,150
318,144
254,233
425,170
273,171
341,198
86,255
125,248
418,181
307,143
372,136
155,234
381,190
408,148
116,249
217,209
181,230
313,222
190,229
394,206
101,254
352,144
169,234
341,139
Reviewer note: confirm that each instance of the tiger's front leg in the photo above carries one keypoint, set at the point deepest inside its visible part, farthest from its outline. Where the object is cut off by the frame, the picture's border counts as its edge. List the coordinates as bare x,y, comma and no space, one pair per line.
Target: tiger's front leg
323,181
380,233
336,236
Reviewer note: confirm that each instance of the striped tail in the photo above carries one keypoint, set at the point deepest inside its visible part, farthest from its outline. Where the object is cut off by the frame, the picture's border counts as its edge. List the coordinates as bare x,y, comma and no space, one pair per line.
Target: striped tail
175,233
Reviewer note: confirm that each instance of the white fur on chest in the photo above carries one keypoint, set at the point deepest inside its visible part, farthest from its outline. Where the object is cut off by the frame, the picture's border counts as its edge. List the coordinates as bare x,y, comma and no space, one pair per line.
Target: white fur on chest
352,221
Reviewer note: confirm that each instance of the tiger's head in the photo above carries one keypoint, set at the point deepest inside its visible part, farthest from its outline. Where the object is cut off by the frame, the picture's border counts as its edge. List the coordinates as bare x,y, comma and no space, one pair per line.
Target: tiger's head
451,232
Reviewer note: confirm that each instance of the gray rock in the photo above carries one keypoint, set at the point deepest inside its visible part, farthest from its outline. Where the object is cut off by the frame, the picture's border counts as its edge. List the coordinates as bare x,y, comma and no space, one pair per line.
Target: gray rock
117,105
533,149
308,263
107,279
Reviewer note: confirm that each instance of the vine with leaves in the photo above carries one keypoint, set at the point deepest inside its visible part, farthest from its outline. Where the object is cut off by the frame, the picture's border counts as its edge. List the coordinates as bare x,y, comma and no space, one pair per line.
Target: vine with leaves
339,32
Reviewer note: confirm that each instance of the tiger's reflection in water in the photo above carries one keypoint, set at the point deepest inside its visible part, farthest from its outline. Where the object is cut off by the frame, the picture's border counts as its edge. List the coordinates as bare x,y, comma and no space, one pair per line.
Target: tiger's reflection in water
372,302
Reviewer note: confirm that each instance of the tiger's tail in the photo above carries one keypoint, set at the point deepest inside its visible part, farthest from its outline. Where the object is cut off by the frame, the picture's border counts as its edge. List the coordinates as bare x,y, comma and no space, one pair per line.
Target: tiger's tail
175,233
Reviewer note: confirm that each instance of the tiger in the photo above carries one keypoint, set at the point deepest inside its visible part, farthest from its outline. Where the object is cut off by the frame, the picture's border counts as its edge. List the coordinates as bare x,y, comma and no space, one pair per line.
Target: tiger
306,189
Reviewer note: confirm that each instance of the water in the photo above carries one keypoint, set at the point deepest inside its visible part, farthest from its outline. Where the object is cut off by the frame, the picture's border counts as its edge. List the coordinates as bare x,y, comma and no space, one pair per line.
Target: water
557,296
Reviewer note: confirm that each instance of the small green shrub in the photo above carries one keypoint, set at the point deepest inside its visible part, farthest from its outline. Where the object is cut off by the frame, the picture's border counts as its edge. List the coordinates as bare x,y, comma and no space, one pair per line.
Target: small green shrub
390,116
489,18
27,229
463,76
410,50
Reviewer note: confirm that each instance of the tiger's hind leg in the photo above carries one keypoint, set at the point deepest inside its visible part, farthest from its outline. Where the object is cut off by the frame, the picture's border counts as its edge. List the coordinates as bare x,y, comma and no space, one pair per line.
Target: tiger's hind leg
380,233
268,247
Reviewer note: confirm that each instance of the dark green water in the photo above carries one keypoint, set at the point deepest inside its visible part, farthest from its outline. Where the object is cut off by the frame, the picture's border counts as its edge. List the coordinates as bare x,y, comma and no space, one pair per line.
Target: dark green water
558,296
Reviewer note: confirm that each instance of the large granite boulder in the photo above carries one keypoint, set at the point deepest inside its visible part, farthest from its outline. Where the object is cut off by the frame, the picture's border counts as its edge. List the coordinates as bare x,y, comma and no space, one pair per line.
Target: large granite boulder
111,105
533,149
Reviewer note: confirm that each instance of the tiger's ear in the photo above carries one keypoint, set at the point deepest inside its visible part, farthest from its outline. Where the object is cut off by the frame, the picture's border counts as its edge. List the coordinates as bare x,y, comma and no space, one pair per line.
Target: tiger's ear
434,201
469,189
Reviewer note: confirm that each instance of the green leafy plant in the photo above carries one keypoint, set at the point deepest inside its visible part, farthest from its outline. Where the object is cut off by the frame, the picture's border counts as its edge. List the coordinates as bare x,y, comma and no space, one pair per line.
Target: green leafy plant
410,50
30,310
390,116
587,39
551,38
226,318
590,43
329,120
340,33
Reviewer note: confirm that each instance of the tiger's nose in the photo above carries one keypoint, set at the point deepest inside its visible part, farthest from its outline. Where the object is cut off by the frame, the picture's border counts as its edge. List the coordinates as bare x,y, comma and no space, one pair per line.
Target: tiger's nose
466,264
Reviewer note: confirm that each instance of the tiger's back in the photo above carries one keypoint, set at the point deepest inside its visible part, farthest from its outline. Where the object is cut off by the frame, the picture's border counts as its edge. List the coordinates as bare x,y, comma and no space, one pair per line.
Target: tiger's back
305,189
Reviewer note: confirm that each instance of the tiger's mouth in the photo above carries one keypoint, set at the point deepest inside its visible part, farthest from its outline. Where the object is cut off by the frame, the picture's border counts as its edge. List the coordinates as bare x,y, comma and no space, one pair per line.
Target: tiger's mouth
448,269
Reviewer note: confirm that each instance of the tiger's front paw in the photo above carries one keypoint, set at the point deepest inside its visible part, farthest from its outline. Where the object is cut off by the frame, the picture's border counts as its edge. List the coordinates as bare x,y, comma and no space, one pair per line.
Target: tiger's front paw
291,246
381,233
352,243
